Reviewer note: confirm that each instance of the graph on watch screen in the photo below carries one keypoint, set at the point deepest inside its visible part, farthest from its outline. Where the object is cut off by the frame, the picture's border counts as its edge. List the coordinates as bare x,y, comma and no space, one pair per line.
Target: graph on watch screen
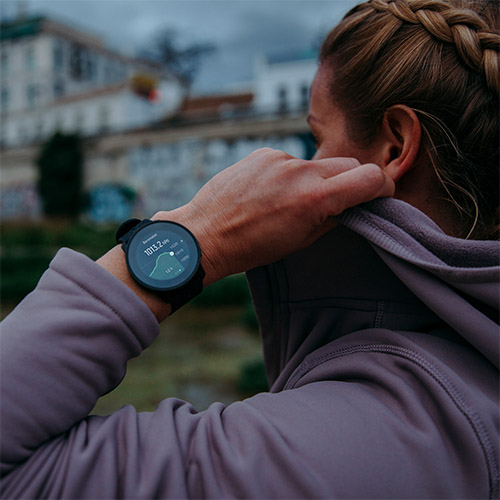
162,254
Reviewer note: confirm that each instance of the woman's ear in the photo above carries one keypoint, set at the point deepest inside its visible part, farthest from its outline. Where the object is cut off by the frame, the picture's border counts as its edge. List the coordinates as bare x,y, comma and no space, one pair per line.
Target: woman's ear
399,140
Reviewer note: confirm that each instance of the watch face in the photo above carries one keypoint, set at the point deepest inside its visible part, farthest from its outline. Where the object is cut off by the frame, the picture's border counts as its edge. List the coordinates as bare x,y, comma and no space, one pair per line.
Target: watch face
163,256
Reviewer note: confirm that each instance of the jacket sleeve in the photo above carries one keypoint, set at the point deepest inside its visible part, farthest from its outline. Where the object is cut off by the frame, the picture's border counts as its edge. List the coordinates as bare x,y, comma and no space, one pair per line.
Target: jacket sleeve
358,436
67,344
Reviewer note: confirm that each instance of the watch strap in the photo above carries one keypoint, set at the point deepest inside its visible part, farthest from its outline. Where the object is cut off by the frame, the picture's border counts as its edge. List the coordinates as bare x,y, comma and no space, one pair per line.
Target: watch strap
127,229
180,296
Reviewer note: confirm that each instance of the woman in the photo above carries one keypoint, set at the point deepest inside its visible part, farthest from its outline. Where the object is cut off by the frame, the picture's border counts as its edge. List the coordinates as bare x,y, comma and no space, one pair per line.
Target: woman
380,334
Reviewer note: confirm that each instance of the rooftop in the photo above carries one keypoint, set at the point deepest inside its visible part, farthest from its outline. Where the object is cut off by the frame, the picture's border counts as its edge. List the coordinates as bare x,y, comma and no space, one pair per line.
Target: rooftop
28,26
213,103
19,28
292,56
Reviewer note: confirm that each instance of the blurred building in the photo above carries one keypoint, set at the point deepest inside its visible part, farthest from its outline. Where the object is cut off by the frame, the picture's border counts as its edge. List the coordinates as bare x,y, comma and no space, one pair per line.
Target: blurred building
229,106
147,146
55,77
283,80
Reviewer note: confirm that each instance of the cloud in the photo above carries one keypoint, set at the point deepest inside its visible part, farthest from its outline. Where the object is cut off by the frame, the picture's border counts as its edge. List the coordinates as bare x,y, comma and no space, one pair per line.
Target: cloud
241,29
266,28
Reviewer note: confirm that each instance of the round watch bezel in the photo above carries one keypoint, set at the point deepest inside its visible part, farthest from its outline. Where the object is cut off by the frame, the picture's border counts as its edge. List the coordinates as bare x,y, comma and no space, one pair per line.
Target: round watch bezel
176,282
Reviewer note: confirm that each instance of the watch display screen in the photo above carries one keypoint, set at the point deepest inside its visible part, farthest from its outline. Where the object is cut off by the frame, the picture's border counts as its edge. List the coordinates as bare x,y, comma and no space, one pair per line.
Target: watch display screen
163,255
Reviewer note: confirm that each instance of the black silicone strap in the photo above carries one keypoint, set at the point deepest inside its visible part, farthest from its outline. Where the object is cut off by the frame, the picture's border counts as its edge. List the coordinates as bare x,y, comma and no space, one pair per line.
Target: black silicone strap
180,296
127,229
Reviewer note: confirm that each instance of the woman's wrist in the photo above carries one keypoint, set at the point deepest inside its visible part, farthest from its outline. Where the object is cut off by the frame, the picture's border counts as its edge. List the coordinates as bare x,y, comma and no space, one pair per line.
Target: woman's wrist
114,262
205,233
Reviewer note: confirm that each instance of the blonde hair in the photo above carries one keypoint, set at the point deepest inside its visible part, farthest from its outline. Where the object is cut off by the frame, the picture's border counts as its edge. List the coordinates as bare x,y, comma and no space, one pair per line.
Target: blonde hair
440,58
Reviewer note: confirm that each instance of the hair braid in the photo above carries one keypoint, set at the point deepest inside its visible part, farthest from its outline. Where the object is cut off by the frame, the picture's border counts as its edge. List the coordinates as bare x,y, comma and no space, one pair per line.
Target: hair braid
477,45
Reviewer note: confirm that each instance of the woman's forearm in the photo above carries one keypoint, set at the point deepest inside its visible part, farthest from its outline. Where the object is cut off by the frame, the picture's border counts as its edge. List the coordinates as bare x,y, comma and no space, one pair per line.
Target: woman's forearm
262,208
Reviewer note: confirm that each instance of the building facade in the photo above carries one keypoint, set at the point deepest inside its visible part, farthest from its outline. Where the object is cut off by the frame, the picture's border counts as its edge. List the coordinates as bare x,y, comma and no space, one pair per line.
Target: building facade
283,81
54,77
146,147
140,172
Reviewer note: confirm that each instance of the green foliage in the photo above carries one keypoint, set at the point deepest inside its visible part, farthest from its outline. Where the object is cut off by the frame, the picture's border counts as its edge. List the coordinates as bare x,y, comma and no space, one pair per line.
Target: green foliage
20,274
60,175
27,250
249,318
252,379
232,290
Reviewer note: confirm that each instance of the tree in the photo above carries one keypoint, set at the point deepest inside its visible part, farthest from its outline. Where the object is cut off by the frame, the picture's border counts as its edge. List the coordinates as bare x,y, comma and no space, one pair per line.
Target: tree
182,61
60,178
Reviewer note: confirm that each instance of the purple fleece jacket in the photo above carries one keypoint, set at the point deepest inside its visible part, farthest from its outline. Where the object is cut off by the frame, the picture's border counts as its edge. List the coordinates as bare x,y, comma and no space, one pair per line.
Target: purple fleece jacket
381,345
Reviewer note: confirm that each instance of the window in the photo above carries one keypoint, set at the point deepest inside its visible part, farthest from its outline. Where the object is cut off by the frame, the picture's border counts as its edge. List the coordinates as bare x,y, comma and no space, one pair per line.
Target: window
79,121
4,63
30,58
121,71
109,71
4,100
31,95
59,88
79,62
39,129
304,96
282,99
58,124
21,133
58,55
103,118
91,66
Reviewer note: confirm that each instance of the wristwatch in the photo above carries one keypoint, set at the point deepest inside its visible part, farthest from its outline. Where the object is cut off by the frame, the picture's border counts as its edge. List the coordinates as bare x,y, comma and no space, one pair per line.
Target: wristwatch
163,257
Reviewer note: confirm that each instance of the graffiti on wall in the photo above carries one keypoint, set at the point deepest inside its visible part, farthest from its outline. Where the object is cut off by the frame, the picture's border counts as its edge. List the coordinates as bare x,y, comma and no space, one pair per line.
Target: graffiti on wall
158,177
168,175
110,203
20,201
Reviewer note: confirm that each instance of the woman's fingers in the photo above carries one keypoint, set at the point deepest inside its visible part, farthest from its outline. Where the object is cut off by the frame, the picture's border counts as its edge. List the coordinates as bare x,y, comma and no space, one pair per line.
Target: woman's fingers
330,167
356,185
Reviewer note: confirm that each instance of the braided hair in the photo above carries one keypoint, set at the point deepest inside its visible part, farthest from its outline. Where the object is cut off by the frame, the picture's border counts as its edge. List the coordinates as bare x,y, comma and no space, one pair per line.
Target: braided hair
440,58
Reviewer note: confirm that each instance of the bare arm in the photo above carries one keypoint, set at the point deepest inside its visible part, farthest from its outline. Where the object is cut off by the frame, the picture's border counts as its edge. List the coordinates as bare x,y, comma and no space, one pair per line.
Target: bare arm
264,207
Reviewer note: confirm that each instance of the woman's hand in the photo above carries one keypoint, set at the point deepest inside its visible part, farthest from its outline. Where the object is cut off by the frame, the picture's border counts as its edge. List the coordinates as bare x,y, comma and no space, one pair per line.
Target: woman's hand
271,204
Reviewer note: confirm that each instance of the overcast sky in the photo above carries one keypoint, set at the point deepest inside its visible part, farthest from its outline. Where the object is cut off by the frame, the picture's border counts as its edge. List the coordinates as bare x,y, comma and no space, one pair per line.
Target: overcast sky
240,29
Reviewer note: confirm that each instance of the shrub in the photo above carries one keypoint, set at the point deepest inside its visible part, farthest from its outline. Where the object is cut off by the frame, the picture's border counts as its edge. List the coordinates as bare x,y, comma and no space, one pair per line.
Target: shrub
26,252
232,290
60,181
252,379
